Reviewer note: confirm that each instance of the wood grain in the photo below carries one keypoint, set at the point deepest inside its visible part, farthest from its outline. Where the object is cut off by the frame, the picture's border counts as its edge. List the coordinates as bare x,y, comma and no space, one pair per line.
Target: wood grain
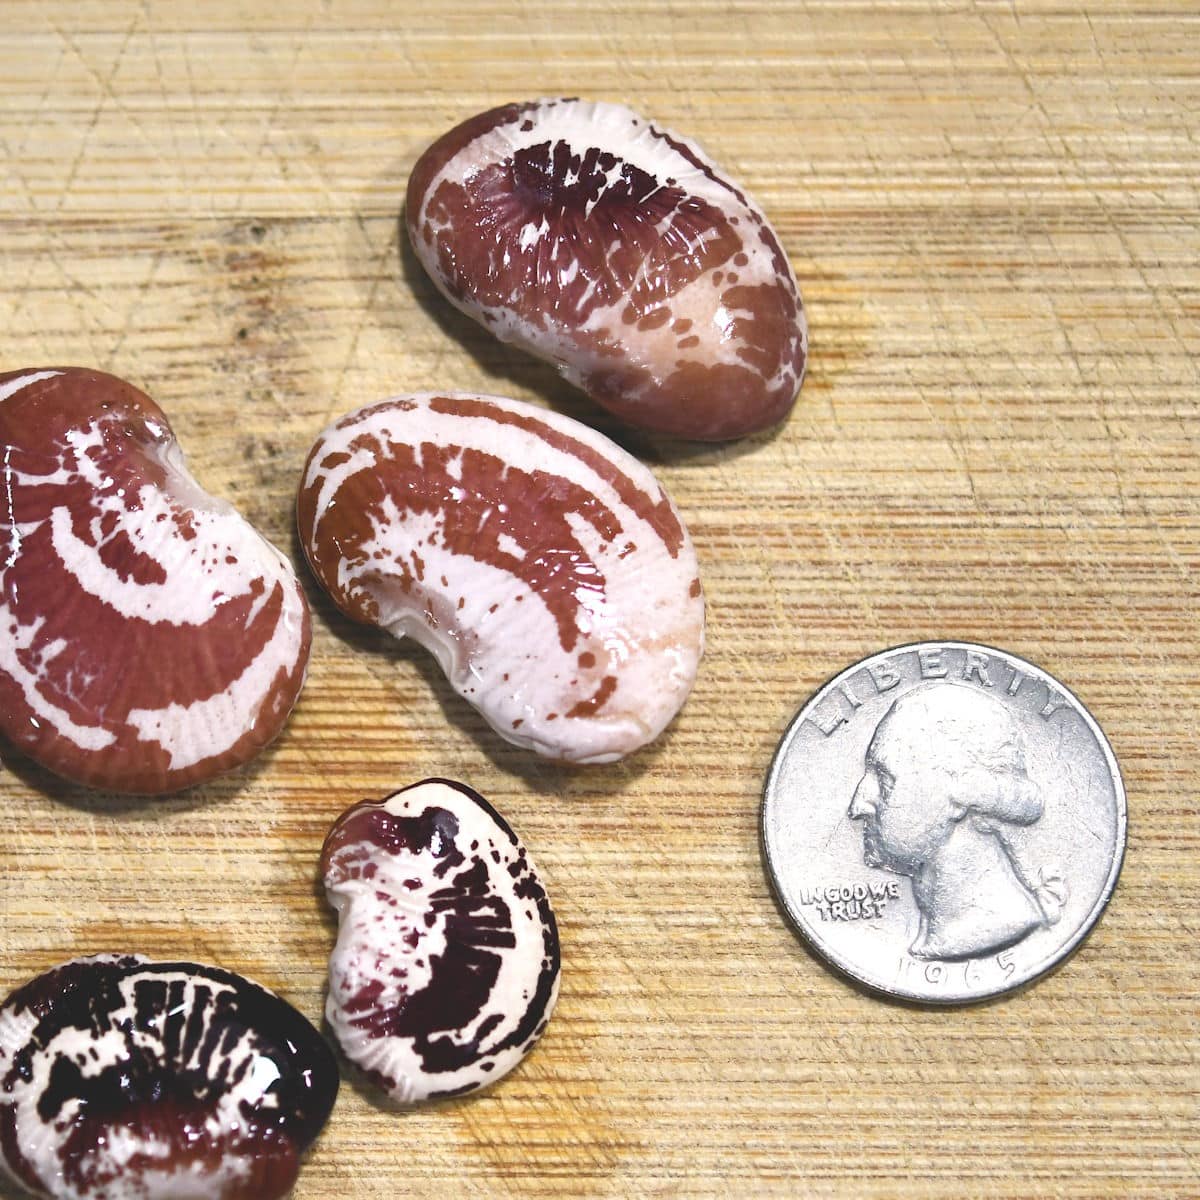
992,210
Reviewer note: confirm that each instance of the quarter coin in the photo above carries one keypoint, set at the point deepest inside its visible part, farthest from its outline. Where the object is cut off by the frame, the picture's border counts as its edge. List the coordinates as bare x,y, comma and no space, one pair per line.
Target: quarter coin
943,822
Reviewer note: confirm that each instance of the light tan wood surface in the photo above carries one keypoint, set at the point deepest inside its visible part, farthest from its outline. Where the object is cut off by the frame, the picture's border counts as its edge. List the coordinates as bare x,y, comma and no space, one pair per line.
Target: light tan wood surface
992,210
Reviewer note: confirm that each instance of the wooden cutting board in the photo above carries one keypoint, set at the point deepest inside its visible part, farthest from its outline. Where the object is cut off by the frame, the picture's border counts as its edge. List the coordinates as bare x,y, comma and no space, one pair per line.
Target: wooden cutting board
992,210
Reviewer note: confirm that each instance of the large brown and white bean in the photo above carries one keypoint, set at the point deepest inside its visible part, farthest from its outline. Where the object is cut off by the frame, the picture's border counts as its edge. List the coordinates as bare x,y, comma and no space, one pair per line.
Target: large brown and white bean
544,567
620,252
126,1079
446,966
150,638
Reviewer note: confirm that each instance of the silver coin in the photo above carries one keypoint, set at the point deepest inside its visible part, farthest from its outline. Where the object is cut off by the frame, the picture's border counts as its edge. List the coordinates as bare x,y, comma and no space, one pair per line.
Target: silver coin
944,822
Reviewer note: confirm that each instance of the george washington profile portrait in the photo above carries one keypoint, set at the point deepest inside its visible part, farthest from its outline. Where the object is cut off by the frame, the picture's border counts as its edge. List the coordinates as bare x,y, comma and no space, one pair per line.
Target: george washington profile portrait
943,786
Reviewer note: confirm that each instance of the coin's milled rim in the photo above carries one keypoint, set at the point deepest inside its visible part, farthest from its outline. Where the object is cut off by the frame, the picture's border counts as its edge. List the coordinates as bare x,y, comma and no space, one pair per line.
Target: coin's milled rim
896,992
